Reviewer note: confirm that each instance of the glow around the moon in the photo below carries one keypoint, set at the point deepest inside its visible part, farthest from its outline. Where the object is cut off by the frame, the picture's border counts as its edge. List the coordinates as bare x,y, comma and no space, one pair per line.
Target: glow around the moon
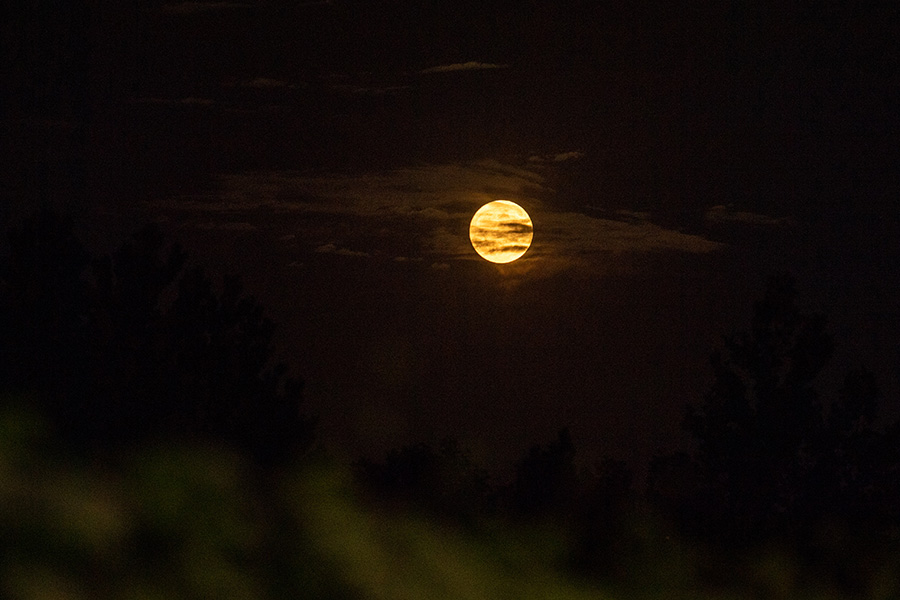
501,231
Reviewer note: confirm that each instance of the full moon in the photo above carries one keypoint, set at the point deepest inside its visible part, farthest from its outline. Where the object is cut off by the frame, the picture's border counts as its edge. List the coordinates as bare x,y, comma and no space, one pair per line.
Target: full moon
501,231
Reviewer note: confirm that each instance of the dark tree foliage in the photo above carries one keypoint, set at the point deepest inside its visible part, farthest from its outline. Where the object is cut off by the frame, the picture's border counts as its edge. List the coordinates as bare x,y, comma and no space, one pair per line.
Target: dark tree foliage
44,301
595,509
857,473
444,482
131,347
679,492
546,480
602,526
757,426
772,459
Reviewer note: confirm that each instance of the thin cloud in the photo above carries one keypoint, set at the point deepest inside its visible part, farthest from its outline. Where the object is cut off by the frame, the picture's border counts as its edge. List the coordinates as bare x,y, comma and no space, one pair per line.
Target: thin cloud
348,252
634,214
726,214
333,249
466,66
188,101
227,226
430,213
576,234
360,90
450,243
556,158
265,83
426,211
188,8
435,192
520,228
577,239
564,156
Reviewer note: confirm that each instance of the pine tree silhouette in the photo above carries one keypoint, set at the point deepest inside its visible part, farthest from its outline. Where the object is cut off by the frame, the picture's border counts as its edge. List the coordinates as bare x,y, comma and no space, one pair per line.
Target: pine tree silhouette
773,459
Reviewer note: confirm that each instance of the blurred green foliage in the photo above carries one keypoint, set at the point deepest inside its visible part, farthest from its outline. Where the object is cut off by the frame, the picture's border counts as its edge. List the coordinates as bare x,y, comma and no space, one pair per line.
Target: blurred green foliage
204,522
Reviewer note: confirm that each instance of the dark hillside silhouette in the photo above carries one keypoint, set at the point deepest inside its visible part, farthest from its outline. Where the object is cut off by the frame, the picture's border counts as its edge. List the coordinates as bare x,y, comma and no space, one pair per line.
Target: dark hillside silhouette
131,347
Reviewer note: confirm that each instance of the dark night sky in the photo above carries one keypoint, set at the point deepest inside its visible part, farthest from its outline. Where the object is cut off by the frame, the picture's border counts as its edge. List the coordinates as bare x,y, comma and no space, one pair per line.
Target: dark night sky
332,154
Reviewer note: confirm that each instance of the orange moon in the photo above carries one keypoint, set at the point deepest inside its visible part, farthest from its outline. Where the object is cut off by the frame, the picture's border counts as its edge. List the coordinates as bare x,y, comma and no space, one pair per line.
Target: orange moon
501,231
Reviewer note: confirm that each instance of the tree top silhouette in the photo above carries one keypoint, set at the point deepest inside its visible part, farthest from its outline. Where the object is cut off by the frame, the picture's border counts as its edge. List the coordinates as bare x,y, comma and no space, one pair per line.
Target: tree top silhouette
772,458
132,346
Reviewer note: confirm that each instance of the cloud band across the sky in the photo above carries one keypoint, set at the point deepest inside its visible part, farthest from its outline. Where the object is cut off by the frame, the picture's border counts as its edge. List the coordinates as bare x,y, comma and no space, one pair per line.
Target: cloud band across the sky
466,66
424,212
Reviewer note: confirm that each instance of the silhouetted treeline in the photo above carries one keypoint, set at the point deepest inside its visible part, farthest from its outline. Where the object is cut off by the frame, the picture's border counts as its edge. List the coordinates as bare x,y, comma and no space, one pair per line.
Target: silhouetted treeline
594,508
132,347
775,465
